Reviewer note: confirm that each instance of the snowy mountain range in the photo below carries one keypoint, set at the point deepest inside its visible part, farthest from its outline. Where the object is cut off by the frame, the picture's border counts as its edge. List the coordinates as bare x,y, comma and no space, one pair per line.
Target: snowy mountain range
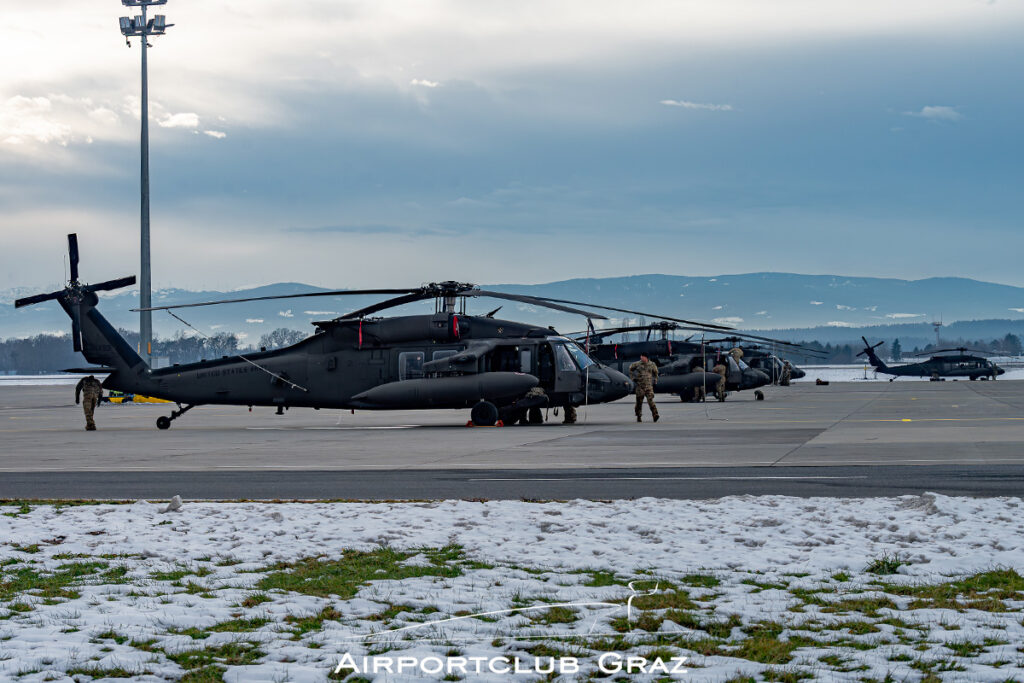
750,301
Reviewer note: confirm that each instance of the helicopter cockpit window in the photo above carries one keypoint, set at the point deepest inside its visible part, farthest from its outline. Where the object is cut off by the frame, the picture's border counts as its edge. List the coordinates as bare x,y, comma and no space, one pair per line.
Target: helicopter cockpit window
447,353
565,363
410,365
582,359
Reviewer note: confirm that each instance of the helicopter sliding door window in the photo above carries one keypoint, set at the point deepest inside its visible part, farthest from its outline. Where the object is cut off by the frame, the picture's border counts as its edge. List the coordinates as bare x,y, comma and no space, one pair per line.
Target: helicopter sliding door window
438,355
410,365
526,361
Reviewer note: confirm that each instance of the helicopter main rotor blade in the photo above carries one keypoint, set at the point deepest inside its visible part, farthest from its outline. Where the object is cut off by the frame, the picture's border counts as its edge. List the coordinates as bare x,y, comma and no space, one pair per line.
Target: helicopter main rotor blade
408,298
534,301
37,299
695,324
111,284
338,292
961,349
73,256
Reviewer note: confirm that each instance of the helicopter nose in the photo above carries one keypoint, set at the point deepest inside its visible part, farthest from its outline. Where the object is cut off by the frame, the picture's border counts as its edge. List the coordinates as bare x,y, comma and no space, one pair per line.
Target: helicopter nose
607,384
755,378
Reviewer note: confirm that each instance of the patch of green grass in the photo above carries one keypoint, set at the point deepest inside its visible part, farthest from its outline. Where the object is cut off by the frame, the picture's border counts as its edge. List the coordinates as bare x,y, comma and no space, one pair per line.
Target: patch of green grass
700,581
239,625
392,611
230,654
786,675
984,591
192,632
304,625
52,585
344,576
764,585
868,606
600,577
23,509
886,565
207,674
841,577
112,672
30,549
762,644
556,615
173,575
668,599
254,599
965,648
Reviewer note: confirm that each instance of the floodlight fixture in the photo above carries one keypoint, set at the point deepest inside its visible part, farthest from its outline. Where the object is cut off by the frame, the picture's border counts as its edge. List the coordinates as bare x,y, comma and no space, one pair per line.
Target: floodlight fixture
139,27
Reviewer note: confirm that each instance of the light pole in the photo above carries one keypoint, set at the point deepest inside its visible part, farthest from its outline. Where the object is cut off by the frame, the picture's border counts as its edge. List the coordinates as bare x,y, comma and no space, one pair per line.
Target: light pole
140,27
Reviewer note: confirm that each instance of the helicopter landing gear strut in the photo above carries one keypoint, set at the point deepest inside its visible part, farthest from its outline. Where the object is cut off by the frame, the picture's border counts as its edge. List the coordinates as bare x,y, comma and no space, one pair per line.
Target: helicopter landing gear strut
164,422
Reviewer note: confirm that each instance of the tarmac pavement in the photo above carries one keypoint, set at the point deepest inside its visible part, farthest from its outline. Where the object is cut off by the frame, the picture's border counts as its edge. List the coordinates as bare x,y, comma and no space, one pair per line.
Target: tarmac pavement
849,439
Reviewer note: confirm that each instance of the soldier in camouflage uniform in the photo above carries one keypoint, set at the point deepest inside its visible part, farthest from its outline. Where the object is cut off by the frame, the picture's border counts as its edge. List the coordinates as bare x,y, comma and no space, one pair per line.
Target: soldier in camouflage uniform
787,372
722,370
93,390
644,374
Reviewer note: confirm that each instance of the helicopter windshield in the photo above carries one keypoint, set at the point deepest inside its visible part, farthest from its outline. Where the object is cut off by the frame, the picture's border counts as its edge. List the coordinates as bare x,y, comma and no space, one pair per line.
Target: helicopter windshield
582,359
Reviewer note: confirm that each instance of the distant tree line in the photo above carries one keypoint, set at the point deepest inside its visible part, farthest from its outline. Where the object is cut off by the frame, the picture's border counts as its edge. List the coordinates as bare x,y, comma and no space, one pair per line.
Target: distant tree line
45,353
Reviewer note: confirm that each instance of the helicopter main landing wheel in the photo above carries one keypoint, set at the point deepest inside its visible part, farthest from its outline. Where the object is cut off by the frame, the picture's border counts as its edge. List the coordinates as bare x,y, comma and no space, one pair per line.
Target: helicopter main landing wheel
163,422
535,416
484,414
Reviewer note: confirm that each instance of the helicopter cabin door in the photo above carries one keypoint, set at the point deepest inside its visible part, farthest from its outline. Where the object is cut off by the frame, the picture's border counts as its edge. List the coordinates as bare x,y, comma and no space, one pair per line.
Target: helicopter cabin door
559,372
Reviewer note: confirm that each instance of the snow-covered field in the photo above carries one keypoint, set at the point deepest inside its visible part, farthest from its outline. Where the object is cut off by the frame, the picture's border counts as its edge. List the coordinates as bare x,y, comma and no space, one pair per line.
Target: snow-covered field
770,588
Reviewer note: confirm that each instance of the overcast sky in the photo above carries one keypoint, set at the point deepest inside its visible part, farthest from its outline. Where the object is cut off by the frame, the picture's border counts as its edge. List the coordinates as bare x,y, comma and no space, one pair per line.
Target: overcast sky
386,143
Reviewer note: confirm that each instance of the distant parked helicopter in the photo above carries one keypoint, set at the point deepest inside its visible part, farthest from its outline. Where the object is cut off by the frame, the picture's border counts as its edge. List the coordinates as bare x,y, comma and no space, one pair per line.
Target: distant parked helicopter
770,360
446,360
683,366
959,365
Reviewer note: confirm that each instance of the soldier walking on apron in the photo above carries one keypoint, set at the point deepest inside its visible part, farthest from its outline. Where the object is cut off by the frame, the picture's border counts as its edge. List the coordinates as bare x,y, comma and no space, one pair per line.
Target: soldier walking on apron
644,374
93,391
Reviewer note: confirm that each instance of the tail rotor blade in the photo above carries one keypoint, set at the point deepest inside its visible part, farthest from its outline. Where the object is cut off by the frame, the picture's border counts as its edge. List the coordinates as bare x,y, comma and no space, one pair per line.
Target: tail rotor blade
73,255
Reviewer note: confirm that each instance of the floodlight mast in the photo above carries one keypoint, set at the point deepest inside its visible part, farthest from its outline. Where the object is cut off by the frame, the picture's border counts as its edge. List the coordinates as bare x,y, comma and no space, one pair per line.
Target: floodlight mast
142,27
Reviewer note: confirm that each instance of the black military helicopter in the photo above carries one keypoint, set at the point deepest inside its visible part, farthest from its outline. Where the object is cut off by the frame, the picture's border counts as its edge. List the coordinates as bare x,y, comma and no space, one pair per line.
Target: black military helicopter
683,366
446,360
958,365
770,360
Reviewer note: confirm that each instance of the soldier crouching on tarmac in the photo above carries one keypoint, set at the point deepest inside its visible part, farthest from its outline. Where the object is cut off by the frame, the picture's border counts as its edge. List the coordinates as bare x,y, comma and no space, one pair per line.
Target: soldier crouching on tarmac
644,374
93,390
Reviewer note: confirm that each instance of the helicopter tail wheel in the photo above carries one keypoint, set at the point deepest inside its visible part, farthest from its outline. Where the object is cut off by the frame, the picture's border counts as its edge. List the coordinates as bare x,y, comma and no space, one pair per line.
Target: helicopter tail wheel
484,414
758,395
164,421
